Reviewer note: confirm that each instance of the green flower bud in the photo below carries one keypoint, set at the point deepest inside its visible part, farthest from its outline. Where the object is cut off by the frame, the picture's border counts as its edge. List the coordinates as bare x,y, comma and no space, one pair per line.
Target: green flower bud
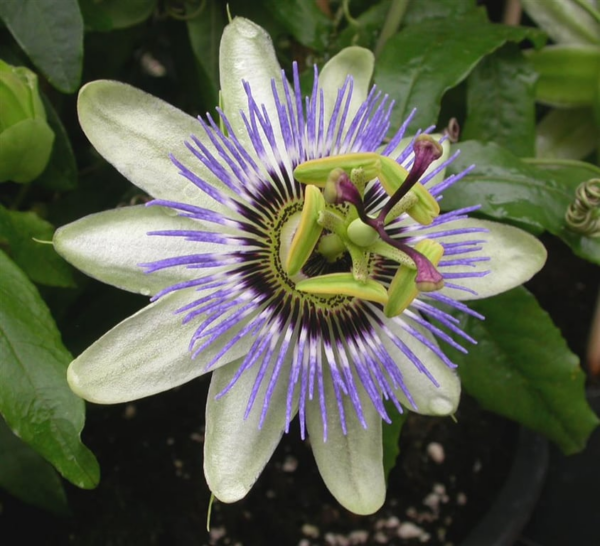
25,137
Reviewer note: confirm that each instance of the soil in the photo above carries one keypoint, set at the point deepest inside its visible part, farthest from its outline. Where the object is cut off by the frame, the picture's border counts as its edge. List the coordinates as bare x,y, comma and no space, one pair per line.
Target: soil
153,491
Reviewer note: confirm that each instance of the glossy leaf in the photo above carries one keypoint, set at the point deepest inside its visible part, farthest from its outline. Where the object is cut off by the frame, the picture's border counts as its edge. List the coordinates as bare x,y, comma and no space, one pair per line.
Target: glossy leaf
35,399
27,476
501,101
508,188
39,261
423,61
51,33
522,368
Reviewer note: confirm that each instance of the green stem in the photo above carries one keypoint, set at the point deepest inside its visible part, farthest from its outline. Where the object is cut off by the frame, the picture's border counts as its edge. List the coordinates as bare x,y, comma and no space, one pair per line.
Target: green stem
348,15
391,24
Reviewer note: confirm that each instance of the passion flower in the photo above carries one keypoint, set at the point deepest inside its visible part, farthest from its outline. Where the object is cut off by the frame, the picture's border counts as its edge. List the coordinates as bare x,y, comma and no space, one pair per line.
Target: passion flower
292,252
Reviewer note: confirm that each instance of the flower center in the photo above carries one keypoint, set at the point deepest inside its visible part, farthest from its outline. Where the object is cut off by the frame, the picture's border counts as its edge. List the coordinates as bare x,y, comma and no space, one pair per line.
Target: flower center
334,223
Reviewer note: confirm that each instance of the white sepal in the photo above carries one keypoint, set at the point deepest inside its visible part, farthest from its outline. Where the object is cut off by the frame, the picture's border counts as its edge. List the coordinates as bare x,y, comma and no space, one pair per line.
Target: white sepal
429,398
235,449
352,464
514,257
136,132
110,246
145,354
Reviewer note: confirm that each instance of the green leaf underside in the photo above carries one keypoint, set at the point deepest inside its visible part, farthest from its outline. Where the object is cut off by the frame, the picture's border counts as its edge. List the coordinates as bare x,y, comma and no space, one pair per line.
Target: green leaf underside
423,61
35,400
508,188
39,261
51,33
27,476
522,368
501,102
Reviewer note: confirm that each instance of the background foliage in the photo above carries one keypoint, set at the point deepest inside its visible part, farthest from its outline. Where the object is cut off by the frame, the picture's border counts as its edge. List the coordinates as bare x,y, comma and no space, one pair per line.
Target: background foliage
527,99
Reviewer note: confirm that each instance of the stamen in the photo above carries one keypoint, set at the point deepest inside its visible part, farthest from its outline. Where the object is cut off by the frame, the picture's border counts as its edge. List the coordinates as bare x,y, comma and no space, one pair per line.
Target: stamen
345,284
308,231
405,285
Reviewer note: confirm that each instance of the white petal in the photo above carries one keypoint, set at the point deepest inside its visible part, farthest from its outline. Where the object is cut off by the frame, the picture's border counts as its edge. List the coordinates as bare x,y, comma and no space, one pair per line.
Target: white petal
351,465
110,246
145,354
235,449
429,398
357,62
247,54
136,132
515,257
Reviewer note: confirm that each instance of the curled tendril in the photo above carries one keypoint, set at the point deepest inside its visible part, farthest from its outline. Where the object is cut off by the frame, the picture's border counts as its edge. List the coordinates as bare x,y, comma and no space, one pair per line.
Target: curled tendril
583,215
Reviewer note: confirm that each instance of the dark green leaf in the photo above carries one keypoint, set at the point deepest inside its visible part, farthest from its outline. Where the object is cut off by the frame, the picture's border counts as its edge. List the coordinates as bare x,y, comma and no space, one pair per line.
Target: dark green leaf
205,30
391,434
51,33
423,61
303,20
115,14
522,368
35,400
27,476
39,261
94,17
61,172
508,188
423,10
501,101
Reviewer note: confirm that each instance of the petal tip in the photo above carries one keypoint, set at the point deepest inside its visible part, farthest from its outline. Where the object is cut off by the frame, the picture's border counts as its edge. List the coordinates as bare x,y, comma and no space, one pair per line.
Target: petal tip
442,406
